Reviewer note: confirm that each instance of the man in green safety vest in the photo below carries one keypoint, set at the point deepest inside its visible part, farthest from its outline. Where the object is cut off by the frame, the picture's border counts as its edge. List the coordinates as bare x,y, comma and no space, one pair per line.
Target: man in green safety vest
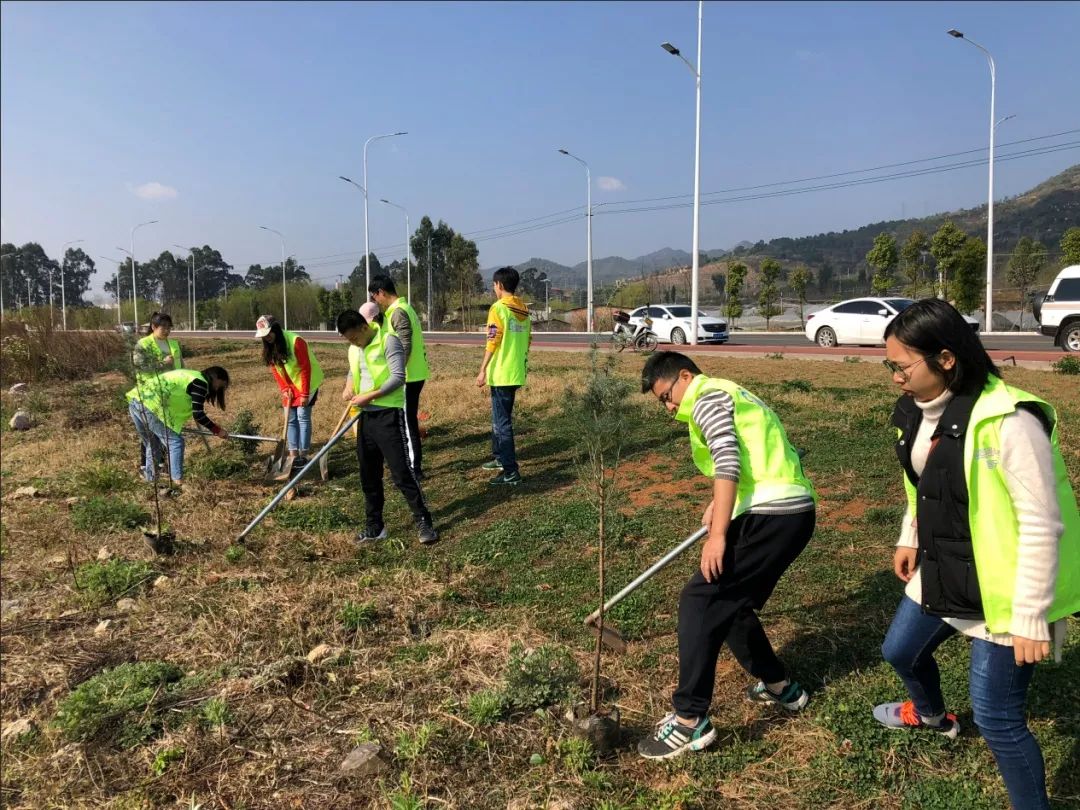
761,517
380,396
506,360
401,320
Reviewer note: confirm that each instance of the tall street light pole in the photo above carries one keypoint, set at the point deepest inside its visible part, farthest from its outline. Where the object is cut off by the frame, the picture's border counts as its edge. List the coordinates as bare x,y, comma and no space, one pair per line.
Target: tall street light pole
667,46
363,191
367,255
408,260
547,299
191,281
134,302
284,299
588,242
63,286
116,281
990,195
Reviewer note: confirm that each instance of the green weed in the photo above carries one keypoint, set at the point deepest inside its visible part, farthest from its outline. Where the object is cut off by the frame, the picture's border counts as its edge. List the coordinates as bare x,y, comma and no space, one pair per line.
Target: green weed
356,615
215,713
411,745
805,386
575,754
539,677
164,757
235,553
113,578
103,514
403,798
485,707
103,479
1069,364
313,518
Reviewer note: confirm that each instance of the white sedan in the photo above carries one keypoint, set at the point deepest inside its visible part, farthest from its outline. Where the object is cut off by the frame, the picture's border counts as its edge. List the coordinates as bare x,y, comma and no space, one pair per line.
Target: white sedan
858,321
671,323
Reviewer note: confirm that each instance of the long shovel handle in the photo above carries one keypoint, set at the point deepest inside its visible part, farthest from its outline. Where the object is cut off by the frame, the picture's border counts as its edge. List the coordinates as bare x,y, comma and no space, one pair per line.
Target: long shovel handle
296,479
243,436
341,421
648,573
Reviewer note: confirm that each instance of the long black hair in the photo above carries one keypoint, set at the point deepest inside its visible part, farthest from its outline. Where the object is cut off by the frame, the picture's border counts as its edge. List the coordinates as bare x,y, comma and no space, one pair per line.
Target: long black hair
276,351
216,373
931,326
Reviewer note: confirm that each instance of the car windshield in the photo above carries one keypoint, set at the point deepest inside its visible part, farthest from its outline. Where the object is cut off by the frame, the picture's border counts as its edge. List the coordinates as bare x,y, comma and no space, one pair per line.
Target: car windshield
899,304
684,312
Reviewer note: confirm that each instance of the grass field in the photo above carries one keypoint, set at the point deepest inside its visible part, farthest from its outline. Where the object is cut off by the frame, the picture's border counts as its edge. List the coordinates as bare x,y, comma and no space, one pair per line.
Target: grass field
200,693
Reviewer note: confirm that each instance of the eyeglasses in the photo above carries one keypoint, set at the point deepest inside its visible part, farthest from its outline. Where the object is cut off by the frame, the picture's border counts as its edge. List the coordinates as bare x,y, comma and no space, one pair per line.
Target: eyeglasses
903,371
665,397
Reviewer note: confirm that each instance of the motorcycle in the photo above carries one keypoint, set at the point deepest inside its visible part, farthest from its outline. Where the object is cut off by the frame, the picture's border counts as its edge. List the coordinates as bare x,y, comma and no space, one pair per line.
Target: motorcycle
641,338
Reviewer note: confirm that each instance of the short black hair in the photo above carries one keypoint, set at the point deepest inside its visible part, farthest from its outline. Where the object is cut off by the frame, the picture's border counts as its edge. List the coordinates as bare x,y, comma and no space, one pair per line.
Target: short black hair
381,282
931,326
216,373
508,277
665,366
349,319
160,319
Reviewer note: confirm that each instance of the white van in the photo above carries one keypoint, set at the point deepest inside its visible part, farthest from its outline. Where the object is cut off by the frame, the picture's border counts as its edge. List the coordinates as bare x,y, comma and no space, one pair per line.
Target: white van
1059,312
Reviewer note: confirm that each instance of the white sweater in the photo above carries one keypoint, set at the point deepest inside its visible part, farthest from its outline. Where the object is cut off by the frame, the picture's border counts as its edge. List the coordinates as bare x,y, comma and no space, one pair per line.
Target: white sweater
1029,476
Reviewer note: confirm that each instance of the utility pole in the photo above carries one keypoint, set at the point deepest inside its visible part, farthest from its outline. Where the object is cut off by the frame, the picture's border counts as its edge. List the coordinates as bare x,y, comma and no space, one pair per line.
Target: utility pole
430,320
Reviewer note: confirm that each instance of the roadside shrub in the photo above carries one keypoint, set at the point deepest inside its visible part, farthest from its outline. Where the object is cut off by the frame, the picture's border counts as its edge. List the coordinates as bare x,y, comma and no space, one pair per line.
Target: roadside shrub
113,578
539,677
104,513
123,697
1069,364
32,351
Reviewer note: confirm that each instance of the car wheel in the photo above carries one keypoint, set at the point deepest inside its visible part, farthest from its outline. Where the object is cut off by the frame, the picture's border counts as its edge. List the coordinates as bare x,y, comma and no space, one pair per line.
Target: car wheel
826,337
678,336
1070,337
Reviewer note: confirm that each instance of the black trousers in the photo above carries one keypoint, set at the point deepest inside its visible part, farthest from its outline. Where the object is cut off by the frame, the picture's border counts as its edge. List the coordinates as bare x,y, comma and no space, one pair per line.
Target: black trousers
381,437
759,550
412,406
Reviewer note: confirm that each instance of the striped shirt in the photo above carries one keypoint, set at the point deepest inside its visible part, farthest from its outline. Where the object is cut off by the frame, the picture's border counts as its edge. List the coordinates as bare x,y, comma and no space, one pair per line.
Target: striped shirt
198,391
714,414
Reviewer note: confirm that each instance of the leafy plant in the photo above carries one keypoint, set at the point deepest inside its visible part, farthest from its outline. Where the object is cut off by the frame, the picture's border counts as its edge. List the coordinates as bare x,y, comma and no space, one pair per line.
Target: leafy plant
215,713
411,745
245,423
235,553
111,579
576,754
164,757
485,707
403,798
354,615
1067,365
538,677
103,514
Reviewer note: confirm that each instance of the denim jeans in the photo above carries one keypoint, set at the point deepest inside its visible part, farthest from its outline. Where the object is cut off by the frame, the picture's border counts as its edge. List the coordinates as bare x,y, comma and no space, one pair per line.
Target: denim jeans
299,433
156,436
998,690
502,426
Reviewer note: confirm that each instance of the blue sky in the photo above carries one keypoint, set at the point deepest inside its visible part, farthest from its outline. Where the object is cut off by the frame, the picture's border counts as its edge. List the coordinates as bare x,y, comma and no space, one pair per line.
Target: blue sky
216,118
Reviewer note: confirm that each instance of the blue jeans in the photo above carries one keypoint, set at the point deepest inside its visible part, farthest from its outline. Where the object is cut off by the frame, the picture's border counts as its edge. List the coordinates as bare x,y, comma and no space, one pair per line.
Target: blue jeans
998,690
299,433
502,426
155,436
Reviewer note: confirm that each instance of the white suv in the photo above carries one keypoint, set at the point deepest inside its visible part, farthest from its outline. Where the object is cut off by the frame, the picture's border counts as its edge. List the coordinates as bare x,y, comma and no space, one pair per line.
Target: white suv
1059,312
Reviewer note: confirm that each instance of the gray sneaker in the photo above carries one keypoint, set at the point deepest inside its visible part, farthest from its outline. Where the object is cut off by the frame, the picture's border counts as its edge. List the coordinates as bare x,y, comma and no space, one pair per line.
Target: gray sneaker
896,716
372,533
793,698
428,535
506,479
491,465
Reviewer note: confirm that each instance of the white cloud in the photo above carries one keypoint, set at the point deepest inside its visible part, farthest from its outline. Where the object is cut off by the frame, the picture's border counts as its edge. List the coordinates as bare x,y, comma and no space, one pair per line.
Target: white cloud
154,191
610,184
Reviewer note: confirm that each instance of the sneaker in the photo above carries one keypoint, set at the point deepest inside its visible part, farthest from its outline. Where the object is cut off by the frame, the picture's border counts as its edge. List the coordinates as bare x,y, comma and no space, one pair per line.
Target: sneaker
494,464
371,534
673,738
506,479
793,698
904,716
428,535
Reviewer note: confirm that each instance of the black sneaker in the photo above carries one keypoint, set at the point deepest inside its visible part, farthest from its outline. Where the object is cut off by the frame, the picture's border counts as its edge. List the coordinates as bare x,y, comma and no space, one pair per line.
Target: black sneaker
371,534
428,535
671,738
506,479
793,698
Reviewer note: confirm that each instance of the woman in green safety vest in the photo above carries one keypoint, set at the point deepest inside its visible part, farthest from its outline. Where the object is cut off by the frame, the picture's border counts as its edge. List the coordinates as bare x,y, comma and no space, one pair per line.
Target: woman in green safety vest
160,411
298,375
154,354
990,542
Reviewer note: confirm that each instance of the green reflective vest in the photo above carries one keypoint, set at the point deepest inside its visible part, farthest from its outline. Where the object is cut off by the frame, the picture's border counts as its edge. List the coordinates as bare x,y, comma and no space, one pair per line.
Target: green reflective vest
770,469
995,532
292,366
167,398
378,368
509,364
416,365
148,345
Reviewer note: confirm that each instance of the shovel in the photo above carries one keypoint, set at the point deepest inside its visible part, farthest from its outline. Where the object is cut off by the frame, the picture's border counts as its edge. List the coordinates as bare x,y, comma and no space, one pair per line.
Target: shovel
280,462
241,436
324,460
611,637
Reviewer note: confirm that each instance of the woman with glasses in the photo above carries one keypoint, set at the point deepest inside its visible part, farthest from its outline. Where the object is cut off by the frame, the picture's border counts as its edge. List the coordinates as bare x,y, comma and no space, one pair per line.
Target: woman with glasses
990,542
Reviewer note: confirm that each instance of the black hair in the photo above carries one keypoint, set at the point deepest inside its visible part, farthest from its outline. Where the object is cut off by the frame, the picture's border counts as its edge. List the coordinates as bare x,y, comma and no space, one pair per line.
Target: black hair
384,283
508,277
216,373
349,319
665,366
276,351
160,319
931,326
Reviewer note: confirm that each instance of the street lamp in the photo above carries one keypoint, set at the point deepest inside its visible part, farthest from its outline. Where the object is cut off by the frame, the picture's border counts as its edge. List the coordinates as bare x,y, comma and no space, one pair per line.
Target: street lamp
63,296
116,281
360,187
990,195
134,302
667,46
408,260
284,300
190,285
547,299
367,259
588,242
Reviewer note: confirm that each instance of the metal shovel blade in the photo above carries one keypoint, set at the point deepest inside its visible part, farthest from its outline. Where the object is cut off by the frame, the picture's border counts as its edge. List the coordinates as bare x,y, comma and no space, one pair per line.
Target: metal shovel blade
276,464
610,637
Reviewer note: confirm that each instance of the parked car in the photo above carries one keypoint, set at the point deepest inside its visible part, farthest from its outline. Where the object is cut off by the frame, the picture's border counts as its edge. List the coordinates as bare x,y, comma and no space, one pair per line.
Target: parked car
1058,312
858,321
127,328
671,323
